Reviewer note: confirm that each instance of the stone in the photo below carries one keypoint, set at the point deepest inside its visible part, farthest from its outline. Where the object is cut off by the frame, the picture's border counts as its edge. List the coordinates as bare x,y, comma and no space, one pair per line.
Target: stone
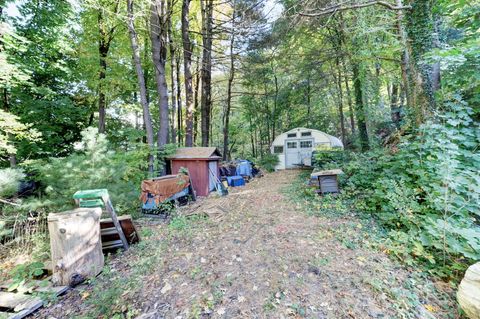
468,294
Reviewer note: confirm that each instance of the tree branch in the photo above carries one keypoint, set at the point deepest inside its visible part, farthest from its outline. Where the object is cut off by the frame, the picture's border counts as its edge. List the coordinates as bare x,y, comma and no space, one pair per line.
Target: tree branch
340,7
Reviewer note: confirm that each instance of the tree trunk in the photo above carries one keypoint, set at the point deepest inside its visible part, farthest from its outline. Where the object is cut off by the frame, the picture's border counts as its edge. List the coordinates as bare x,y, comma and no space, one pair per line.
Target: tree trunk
231,77
420,31
360,110
173,111
275,105
187,65
405,59
206,100
171,47
340,99
195,105
101,91
179,103
158,35
103,48
394,106
141,83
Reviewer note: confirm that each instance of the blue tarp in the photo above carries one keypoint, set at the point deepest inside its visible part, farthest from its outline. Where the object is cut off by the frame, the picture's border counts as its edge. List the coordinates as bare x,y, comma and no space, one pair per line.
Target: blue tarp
235,181
244,168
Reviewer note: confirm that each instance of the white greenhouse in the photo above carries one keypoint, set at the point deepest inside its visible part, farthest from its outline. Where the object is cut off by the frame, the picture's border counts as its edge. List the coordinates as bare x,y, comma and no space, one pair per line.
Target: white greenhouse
294,148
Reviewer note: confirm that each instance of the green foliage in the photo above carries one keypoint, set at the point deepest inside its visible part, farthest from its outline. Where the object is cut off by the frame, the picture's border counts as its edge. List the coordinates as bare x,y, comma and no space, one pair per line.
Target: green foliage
22,273
427,191
10,181
268,162
93,166
334,158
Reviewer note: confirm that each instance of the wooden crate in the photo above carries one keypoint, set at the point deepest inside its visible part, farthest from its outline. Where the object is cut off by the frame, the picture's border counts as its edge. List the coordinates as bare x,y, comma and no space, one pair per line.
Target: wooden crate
76,247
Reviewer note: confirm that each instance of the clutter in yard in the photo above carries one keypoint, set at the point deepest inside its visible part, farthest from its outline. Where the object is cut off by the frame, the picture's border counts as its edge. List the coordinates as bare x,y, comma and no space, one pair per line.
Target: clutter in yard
20,299
238,172
469,292
101,198
157,193
109,235
202,164
326,182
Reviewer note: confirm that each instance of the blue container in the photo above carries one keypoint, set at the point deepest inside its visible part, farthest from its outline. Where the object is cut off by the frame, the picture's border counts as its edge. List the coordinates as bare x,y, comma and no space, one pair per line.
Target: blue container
235,181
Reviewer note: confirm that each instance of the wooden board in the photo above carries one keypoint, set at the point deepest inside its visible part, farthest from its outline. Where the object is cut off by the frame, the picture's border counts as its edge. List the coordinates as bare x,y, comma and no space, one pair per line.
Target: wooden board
21,302
19,305
75,243
328,172
109,233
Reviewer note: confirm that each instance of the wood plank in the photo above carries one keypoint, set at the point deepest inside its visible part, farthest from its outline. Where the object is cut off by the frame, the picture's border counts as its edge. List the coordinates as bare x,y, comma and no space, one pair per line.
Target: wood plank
11,300
328,172
116,223
109,231
30,308
128,228
112,244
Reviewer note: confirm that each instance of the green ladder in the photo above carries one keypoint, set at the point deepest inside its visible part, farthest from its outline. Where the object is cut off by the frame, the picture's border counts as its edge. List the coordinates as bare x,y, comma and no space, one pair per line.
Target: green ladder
100,198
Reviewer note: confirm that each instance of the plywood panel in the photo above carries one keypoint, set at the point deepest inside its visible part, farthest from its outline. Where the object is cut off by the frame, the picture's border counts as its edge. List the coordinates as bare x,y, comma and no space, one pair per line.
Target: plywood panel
76,247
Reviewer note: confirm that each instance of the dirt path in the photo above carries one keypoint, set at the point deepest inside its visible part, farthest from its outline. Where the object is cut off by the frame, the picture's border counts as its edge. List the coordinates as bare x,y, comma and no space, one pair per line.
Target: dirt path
261,259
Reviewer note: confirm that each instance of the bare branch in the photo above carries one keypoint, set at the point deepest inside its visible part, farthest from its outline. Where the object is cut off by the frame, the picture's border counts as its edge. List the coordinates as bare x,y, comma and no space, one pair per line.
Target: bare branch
340,7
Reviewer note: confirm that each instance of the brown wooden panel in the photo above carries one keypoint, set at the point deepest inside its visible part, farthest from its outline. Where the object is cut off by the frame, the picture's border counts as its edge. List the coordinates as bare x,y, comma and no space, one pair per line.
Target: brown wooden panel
198,171
109,233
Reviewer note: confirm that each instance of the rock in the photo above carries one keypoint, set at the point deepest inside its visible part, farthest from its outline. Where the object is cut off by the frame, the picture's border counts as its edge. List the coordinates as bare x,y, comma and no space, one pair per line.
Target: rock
468,294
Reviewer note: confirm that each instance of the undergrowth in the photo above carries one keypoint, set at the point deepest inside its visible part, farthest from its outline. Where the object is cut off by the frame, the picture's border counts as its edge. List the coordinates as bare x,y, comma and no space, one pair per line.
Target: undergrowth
357,229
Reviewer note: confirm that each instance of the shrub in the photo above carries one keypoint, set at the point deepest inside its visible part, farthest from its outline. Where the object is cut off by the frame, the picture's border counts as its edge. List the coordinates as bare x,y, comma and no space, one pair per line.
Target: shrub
10,181
268,162
334,157
426,191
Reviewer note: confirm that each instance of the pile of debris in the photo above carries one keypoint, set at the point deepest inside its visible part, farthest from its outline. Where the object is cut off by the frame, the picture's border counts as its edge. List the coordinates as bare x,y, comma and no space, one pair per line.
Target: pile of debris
238,172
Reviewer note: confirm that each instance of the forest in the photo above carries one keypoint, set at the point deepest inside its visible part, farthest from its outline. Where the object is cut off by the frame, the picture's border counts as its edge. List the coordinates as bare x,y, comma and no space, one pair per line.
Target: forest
98,93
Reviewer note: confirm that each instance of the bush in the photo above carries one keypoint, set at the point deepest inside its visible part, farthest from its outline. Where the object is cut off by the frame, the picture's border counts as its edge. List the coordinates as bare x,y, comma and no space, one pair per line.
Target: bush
92,166
10,181
326,158
426,191
268,162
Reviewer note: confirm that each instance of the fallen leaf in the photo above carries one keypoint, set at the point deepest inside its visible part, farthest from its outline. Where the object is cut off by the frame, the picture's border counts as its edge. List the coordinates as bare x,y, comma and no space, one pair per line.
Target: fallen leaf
166,288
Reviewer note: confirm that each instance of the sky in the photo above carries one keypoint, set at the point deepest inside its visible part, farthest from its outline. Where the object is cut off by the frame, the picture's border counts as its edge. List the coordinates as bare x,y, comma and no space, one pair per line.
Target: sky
272,10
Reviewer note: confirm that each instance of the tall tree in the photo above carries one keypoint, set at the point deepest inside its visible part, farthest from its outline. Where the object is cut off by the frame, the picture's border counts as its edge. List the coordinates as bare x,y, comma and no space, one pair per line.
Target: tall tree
231,76
206,99
187,65
106,34
360,107
158,34
172,52
179,101
147,119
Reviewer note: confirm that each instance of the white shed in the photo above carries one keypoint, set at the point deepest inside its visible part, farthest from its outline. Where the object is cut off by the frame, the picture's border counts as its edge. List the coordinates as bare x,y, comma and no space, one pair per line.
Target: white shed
294,148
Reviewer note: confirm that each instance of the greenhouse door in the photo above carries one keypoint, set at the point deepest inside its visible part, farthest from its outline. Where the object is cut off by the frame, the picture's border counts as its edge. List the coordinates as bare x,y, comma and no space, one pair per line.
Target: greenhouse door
292,154
305,150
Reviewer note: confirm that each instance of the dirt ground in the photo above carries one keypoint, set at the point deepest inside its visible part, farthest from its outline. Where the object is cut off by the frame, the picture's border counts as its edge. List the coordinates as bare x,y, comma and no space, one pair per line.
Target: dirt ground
257,256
